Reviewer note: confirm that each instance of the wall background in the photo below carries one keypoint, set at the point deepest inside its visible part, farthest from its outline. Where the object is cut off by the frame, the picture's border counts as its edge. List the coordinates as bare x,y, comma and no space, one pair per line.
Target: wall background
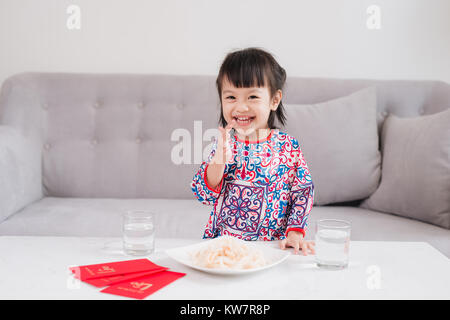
320,38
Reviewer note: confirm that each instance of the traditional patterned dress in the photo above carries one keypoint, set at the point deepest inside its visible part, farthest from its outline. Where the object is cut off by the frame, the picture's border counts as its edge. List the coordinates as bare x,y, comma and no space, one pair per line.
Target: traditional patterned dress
266,192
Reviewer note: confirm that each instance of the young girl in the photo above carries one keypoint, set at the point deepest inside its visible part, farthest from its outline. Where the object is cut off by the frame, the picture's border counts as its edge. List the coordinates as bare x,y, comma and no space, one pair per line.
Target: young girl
255,176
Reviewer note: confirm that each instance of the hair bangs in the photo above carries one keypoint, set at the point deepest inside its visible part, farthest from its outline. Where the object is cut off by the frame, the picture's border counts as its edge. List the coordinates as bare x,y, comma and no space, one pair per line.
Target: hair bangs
245,71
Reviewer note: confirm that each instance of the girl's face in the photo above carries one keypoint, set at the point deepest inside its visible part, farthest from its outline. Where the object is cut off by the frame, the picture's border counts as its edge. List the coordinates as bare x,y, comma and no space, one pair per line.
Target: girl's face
249,107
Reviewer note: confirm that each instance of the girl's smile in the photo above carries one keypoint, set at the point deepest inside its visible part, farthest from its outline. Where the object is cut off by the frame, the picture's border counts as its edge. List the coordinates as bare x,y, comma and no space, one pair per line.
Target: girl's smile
243,121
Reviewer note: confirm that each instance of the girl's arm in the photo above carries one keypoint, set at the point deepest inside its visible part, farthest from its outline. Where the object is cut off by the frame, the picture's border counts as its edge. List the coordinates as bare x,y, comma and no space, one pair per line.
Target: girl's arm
214,172
205,190
301,196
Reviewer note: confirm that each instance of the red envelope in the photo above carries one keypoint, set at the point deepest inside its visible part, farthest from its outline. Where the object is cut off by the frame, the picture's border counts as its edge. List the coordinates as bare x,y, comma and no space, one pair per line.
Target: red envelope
140,288
102,282
102,270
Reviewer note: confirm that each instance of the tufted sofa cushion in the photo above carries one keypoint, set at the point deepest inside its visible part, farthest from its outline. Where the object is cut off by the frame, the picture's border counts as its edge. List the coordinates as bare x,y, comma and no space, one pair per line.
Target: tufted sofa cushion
110,136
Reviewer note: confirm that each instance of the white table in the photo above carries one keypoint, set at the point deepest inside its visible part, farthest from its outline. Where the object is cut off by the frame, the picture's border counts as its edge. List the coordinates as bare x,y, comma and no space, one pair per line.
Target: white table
37,268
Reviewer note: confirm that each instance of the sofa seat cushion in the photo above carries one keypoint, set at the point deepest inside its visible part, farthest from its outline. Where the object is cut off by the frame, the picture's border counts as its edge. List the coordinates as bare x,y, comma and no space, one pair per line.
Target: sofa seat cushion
186,219
103,217
370,225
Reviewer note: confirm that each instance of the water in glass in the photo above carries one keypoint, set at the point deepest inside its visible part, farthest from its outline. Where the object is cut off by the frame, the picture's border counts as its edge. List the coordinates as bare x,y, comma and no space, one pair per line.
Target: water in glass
332,244
138,233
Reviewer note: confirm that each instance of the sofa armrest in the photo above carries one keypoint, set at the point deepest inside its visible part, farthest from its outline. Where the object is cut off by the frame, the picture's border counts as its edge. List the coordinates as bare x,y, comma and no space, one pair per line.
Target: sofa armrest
20,171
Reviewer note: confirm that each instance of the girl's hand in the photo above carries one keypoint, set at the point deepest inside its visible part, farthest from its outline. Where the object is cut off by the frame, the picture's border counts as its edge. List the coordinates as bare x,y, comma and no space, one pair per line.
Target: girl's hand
295,240
222,156
223,153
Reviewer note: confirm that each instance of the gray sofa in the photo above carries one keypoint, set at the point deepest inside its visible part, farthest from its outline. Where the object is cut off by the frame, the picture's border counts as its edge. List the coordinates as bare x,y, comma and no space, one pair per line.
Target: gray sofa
78,150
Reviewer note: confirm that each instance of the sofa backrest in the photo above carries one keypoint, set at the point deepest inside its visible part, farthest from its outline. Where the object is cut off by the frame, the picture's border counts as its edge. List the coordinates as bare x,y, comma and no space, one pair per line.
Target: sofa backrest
116,135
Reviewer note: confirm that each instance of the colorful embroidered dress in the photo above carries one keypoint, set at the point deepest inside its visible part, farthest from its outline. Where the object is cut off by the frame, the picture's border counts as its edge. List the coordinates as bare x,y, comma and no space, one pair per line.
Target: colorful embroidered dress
264,194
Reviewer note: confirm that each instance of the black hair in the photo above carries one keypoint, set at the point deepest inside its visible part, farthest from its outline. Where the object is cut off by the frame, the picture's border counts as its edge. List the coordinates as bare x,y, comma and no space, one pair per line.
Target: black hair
252,67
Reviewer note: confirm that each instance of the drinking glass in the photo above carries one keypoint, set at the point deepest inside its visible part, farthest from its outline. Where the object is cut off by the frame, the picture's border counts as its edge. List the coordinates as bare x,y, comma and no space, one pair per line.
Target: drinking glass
332,243
138,232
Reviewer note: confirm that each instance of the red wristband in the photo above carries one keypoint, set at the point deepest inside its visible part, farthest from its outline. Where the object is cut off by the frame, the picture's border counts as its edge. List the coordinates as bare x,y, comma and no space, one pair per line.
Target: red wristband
295,229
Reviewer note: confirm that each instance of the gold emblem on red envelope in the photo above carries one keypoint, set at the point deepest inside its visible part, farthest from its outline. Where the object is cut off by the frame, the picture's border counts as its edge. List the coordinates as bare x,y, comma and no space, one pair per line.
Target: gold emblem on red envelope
105,269
141,285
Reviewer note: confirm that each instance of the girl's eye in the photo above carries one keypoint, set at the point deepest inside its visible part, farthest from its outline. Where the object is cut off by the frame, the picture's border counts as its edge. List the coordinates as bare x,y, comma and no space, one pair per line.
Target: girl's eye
253,97
229,97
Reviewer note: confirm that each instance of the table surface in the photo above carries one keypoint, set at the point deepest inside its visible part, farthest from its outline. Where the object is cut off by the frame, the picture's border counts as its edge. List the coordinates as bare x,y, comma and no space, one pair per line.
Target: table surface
37,268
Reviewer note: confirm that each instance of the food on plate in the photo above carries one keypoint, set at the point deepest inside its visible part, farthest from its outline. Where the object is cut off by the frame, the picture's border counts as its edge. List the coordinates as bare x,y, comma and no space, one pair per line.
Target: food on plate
228,253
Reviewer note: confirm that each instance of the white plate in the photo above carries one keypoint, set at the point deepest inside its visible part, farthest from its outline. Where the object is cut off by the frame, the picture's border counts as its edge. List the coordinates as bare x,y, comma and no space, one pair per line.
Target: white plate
272,255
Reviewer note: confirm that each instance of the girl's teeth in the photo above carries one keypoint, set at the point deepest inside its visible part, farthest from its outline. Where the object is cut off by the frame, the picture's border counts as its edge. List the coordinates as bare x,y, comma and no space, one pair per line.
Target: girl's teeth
244,121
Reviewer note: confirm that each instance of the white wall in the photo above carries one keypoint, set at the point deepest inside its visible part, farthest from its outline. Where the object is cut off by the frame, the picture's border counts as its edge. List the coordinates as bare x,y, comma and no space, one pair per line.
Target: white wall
319,38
